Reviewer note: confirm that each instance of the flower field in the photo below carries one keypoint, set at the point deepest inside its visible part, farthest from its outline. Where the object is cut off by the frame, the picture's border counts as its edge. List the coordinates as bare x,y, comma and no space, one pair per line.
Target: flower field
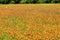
30,22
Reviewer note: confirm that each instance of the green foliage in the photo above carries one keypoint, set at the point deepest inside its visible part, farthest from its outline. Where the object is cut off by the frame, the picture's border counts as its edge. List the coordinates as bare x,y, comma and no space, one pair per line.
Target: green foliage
41,1
28,1
55,1
23,1
4,1
17,1
12,2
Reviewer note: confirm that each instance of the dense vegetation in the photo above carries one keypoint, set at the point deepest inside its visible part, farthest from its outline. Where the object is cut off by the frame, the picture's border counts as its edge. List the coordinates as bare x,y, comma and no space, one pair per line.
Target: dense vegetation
27,1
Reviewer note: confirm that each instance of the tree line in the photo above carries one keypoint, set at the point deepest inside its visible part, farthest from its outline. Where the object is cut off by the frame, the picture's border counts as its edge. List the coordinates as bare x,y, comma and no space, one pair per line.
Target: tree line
28,1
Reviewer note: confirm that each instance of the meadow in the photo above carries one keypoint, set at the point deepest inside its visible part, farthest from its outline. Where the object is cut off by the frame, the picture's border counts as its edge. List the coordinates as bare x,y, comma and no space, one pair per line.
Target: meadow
30,22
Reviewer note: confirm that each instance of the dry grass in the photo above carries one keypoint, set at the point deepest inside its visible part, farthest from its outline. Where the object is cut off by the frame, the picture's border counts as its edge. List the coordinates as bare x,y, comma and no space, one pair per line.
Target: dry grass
30,22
